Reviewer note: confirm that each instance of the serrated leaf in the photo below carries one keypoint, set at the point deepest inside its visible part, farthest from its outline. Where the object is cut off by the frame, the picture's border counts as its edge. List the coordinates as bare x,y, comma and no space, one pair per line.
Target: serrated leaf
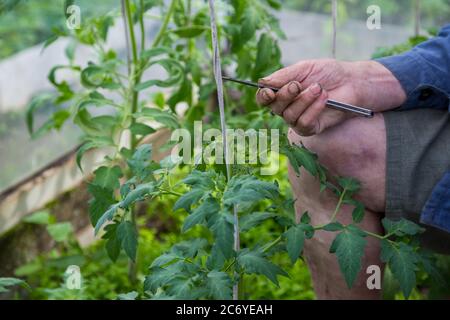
333,226
295,239
113,245
107,216
199,215
306,219
349,249
223,233
255,262
358,213
174,69
140,161
141,192
88,146
102,200
306,159
108,177
164,117
401,227
254,219
402,261
188,199
246,189
127,235
141,129
219,285
263,56
349,184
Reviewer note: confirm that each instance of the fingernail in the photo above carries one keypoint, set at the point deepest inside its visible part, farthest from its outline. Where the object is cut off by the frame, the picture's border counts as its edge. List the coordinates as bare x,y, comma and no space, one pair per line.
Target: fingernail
316,89
265,95
265,79
294,88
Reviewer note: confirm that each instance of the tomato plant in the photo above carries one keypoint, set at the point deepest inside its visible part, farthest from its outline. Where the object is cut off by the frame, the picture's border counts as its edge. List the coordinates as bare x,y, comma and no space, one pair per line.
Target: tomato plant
116,113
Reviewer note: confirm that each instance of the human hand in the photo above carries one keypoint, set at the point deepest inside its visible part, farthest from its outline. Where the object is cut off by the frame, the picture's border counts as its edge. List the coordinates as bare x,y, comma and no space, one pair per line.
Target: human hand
306,86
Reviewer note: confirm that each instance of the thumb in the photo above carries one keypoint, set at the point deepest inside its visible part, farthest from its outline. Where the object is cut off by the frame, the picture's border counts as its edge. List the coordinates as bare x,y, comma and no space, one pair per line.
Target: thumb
283,76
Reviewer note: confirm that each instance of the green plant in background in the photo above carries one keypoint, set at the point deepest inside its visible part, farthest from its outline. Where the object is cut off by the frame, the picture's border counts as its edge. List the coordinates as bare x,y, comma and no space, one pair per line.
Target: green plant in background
207,263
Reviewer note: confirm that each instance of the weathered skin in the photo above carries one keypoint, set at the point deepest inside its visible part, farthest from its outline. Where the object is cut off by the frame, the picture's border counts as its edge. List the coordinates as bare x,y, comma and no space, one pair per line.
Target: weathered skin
348,146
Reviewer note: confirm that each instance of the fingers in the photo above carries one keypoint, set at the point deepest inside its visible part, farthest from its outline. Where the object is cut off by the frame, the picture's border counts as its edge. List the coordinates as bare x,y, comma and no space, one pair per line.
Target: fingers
299,105
296,72
285,96
308,123
265,97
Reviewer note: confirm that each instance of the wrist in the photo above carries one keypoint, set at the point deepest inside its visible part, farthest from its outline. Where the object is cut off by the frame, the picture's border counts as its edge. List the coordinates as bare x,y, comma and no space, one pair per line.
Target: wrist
375,86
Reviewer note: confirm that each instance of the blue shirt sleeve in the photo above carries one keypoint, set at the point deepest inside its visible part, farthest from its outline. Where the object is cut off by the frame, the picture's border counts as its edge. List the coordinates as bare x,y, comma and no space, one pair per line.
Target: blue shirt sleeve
424,72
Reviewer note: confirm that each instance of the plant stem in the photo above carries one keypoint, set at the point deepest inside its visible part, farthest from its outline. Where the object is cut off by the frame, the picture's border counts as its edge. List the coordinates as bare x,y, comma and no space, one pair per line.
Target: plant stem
165,23
132,268
338,207
142,24
272,244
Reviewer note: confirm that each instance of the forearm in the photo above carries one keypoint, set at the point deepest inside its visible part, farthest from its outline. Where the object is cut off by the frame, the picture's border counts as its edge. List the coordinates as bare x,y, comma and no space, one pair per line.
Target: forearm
375,86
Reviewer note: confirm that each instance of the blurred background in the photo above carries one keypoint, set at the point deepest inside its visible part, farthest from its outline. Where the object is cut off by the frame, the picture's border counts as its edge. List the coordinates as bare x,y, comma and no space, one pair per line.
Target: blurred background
25,26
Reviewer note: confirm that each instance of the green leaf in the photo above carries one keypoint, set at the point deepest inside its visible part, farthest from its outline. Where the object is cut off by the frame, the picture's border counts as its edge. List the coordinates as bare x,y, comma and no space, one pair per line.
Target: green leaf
108,177
127,235
255,262
401,227
141,129
94,77
140,161
349,184
333,226
190,31
107,216
94,143
36,103
9,282
102,200
306,219
140,193
295,238
263,56
254,219
250,21
219,285
166,118
173,67
201,213
188,199
246,189
349,248
60,231
358,213
223,233
113,244
305,159
40,217
402,261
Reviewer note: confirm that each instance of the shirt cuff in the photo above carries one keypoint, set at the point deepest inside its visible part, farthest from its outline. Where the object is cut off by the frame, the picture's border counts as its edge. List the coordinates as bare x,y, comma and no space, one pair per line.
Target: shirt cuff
414,76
